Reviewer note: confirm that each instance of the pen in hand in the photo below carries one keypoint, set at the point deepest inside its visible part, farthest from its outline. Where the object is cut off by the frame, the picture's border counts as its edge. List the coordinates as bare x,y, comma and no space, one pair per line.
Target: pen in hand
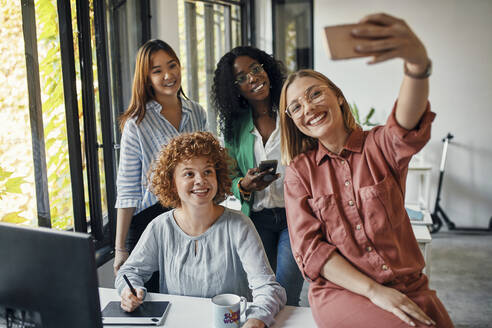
134,292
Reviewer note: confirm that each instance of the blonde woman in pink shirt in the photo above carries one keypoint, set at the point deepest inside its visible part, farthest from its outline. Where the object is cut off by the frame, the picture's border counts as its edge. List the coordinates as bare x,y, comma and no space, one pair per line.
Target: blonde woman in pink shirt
344,192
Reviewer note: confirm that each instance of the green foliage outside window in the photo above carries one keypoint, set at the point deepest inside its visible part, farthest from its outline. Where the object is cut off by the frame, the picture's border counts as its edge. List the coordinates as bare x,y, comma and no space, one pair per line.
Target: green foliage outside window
17,189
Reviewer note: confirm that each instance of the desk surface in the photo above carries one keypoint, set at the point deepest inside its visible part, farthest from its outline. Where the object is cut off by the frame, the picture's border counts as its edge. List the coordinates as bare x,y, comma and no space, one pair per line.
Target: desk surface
188,311
422,233
427,219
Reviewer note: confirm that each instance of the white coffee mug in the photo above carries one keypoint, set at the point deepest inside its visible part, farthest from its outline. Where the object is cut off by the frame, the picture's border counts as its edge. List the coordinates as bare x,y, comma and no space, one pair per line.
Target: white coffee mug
228,309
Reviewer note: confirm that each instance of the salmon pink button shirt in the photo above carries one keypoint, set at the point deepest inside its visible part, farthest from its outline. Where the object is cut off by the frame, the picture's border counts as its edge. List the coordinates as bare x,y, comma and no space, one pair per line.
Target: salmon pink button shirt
354,203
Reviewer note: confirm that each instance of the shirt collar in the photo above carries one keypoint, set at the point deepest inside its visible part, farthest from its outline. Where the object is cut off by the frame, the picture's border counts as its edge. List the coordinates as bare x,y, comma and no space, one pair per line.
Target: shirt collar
253,130
354,144
156,107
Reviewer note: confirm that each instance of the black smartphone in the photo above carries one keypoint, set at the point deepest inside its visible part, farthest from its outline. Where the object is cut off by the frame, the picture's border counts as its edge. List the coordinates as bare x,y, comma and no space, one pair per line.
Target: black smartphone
267,165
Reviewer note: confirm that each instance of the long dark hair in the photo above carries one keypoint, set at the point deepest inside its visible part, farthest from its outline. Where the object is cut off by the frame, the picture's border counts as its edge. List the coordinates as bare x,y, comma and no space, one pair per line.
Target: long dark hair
142,91
231,106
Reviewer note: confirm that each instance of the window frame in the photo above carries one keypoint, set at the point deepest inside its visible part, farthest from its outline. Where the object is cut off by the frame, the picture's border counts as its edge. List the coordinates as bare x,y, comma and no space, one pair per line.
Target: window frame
102,228
310,64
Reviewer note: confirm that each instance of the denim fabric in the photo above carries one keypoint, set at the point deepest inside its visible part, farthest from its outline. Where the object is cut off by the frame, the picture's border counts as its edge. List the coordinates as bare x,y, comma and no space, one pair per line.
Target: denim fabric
271,224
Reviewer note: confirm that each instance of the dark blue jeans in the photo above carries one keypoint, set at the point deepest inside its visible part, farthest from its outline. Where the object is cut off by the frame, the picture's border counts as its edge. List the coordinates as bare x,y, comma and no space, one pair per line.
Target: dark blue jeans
271,224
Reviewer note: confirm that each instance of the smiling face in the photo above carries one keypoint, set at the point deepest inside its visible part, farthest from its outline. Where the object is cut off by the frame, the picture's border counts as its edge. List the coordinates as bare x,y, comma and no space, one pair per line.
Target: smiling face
164,74
256,87
321,120
195,181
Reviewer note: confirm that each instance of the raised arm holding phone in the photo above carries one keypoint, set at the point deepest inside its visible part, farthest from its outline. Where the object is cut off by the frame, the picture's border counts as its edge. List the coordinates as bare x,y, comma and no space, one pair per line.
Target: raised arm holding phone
345,188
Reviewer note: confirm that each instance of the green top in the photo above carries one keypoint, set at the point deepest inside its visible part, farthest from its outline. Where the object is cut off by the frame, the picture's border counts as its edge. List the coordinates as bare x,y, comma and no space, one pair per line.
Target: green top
241,148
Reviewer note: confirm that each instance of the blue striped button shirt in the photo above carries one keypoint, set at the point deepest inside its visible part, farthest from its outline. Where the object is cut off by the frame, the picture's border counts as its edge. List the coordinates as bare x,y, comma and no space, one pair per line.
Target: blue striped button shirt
140,145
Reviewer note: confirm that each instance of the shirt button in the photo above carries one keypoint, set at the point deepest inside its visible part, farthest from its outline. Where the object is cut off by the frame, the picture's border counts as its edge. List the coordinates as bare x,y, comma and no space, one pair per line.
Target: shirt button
347,183
384,267
358,227
369,248
351,202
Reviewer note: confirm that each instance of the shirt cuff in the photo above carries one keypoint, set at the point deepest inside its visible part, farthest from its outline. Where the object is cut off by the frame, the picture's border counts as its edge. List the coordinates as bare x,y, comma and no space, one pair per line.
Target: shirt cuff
313,264
126,203
422,128
262,315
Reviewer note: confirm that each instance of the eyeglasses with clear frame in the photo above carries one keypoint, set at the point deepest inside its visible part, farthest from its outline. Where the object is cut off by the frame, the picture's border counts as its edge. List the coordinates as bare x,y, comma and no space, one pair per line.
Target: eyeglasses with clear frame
315,95
256,70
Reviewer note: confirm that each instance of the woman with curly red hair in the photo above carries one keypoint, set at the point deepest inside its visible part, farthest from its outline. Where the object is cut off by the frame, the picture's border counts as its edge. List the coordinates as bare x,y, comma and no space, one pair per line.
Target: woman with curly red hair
200,248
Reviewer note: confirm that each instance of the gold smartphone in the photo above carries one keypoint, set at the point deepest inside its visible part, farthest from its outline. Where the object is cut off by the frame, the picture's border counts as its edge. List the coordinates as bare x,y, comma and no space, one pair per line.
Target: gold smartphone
340,43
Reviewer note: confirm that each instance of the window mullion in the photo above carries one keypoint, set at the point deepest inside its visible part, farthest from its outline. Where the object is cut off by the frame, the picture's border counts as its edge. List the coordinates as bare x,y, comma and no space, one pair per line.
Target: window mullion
36,113
105,108
210,64
248,33
90,130
144,19
227,29
71,113
191,53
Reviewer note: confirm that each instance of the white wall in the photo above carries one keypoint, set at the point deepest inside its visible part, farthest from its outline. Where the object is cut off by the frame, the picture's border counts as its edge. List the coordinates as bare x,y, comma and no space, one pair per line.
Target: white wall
264,26
457,35
164,22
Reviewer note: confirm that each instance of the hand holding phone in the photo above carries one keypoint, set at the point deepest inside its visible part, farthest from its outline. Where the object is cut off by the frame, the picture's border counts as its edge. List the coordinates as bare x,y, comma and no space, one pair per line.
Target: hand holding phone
271,166
380,36
340,42
258,178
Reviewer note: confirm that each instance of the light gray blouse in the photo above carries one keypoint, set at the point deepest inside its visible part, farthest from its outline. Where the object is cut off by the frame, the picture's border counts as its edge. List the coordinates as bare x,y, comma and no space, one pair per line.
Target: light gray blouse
227,258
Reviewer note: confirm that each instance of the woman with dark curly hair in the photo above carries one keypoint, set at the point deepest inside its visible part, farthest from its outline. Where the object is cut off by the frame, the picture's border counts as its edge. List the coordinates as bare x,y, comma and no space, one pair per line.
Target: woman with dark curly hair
248,116
200,248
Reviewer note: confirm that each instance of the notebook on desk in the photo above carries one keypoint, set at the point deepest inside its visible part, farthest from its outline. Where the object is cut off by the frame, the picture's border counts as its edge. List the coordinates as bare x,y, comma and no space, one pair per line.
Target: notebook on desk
149,313
415,215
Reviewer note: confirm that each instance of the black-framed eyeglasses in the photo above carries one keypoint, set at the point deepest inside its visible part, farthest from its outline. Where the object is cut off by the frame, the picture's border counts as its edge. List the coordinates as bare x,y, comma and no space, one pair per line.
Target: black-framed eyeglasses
256,70
313,95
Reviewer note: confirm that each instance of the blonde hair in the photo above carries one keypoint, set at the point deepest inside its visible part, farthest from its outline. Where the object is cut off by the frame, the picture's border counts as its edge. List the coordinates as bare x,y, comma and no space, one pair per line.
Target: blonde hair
142,91
293,141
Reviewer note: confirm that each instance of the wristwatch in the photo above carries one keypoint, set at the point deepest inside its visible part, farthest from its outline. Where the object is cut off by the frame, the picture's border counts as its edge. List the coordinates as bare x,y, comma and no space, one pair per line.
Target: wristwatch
245,195
425,74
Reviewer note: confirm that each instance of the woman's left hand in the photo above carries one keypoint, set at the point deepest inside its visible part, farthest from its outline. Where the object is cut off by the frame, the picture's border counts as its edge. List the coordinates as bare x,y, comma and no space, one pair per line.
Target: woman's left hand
254,323
393,38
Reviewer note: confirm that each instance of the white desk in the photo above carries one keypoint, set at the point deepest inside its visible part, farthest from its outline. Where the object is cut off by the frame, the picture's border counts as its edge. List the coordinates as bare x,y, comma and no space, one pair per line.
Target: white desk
427,219
424,239
188,311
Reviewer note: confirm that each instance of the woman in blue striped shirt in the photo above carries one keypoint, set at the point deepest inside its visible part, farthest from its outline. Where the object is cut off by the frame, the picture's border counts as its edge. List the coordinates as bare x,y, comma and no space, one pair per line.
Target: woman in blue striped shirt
158,111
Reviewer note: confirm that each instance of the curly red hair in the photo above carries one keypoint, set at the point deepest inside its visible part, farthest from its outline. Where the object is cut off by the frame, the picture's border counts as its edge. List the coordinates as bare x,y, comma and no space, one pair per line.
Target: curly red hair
182,148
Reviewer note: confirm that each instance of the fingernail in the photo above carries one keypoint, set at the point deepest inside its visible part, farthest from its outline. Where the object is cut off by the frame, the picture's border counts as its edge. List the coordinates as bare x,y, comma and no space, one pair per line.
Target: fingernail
358,47
355,31
412,324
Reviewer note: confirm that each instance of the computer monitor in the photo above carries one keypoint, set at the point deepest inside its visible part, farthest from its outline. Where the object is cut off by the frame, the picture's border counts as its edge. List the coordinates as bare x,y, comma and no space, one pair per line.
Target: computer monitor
48,278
